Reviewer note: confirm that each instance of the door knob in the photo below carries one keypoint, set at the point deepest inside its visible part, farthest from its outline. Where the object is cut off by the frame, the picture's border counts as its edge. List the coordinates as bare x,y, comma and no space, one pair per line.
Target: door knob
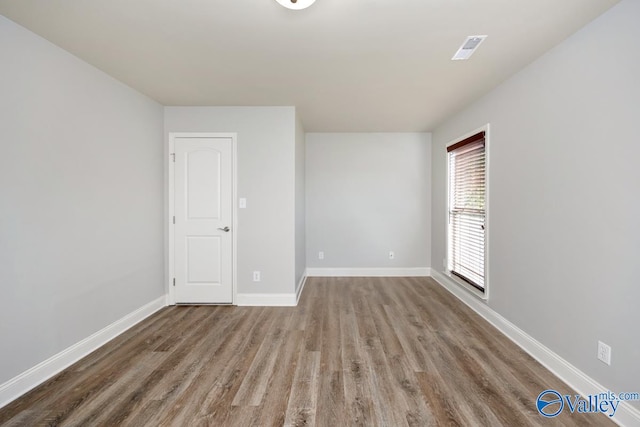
226,229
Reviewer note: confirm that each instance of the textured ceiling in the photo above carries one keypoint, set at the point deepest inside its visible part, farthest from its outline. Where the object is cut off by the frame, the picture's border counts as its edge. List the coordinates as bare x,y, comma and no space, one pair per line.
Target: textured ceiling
348,65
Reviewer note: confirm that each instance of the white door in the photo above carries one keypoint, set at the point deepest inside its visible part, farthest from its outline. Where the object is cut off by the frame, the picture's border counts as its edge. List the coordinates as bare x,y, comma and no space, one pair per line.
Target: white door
203,208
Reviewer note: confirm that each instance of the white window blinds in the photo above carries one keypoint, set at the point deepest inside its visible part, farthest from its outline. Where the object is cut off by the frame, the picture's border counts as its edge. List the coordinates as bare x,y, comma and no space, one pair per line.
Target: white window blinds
466,234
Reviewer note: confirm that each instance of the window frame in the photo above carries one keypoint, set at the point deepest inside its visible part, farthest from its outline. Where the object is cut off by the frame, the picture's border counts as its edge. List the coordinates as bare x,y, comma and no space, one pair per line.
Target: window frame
461,282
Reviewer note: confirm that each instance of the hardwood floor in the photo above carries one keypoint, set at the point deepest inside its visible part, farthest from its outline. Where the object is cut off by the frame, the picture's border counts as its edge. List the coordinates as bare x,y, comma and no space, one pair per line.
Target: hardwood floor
356,351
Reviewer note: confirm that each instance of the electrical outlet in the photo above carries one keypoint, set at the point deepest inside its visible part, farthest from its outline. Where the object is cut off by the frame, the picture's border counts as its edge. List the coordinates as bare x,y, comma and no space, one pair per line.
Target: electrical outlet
604,353
320,255
242,203
256,276
391,255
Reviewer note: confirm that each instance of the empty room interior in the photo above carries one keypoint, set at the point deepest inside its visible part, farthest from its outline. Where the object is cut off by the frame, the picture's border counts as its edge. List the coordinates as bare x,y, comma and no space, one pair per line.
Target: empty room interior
319,212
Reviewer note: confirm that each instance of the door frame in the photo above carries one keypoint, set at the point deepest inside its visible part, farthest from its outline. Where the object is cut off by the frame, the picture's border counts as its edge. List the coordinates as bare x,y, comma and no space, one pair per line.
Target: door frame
171,300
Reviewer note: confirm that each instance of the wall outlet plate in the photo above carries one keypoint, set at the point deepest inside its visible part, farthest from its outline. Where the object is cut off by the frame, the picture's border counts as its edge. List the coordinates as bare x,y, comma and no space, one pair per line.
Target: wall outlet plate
320,255
256,276
392,255
604,352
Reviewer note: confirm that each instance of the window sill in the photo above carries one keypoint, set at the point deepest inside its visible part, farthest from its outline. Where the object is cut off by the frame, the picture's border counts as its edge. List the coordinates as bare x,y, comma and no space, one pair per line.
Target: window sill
467,286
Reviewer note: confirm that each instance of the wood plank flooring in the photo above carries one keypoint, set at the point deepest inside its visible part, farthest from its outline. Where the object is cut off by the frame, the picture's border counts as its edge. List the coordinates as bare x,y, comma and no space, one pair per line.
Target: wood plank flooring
355,352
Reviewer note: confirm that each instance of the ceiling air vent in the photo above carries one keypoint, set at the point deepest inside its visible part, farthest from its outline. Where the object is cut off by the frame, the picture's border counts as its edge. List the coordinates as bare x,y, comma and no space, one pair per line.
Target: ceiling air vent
468,47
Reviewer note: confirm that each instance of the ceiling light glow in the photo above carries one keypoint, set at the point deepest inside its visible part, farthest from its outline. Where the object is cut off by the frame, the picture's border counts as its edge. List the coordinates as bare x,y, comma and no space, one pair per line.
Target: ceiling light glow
296,4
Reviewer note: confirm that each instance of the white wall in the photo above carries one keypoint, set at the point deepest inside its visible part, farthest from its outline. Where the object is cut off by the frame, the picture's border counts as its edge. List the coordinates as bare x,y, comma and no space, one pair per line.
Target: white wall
300,231
564,206
368,194
81,200
266,178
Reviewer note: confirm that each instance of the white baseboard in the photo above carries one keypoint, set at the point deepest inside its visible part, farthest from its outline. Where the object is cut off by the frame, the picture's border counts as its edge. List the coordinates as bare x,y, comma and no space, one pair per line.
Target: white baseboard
626,415
369,272
273,300
300,288
35,376
267,300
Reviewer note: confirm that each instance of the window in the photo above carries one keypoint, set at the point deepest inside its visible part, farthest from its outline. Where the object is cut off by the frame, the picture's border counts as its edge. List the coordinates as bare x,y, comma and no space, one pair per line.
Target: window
467,210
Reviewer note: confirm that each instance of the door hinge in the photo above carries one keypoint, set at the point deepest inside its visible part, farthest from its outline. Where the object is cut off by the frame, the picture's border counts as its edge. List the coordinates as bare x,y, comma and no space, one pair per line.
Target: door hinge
173,156
174,281
174,219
